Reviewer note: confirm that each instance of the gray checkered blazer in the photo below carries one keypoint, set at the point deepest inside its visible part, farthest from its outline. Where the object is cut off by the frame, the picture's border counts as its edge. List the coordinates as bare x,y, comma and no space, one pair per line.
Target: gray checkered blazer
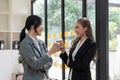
32,67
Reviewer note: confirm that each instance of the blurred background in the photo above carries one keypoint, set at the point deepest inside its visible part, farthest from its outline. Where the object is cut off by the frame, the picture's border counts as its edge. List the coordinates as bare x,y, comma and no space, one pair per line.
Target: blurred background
59,17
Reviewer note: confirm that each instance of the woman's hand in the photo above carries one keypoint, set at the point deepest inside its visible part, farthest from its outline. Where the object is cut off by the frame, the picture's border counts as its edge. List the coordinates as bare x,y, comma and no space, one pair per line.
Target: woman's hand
54,48
62,47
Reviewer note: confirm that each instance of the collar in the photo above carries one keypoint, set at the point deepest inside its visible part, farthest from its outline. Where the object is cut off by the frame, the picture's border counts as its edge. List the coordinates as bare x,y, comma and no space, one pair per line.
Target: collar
34,39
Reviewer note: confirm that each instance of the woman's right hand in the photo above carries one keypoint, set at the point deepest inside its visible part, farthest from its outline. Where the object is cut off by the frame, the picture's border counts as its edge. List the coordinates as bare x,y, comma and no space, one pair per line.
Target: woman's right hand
54,48
62,47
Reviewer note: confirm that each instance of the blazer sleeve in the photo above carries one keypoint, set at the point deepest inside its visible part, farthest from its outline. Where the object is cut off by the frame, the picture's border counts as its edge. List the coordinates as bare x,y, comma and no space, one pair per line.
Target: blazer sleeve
86,59
64,57
48,64
27,54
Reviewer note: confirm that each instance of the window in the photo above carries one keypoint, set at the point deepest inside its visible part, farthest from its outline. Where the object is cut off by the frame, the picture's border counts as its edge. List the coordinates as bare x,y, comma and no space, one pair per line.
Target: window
38,9
91,17
114,40
72,13
54,33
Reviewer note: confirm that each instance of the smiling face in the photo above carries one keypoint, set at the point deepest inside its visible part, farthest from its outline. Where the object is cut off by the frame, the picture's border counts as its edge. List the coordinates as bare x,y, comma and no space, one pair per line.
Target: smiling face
80,30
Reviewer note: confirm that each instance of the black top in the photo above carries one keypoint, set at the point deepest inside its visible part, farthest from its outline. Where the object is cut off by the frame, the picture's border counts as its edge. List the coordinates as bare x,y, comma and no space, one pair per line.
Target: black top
83,57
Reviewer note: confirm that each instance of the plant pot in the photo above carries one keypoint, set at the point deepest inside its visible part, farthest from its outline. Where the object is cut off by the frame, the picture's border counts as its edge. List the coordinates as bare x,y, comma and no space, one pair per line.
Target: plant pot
21,70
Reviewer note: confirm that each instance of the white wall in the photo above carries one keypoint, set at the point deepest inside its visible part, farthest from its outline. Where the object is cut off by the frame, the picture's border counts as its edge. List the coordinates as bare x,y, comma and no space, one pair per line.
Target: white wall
8,64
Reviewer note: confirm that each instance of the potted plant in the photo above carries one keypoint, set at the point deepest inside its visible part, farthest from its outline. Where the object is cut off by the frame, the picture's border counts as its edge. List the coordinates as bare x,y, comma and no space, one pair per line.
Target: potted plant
20,61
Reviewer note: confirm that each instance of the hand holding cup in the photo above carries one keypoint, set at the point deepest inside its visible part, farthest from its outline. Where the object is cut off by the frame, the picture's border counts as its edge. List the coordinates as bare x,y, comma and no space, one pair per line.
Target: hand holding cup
55,48
61,42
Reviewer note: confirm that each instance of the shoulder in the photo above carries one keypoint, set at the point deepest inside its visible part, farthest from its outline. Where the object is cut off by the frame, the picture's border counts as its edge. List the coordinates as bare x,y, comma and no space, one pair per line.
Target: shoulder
91,42
93,45
25,43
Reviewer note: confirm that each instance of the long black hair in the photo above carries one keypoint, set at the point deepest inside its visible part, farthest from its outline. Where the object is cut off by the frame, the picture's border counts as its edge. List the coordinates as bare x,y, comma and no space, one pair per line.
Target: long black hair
31,20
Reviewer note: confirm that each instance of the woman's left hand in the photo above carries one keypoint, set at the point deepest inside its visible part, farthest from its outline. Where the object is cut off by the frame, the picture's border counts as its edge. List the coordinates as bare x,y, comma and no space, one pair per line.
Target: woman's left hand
62,49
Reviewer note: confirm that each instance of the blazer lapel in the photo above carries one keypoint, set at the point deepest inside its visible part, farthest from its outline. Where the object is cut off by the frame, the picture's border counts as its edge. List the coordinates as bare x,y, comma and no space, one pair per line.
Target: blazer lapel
36,50
81,50
34,46
42,47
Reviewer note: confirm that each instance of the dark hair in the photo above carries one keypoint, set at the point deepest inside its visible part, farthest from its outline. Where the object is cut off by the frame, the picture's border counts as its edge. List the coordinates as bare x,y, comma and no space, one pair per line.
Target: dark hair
86,23
31,20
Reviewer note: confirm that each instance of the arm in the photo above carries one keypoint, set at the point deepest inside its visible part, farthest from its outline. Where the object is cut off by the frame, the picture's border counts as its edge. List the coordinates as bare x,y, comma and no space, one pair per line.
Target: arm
48,65
28,55
64,57
86,60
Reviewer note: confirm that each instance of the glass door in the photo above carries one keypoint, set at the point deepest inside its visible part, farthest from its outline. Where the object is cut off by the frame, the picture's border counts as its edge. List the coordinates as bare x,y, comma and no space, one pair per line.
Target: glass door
91,17
54,33
38,9
72,13
54,30
114,39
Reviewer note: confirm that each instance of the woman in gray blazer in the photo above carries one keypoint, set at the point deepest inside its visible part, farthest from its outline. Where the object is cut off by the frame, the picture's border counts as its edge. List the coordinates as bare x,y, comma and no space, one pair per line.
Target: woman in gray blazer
36,58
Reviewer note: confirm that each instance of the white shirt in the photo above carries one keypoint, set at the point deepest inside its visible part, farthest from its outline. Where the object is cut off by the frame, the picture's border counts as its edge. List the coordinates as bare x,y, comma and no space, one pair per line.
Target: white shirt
74,54
36,42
